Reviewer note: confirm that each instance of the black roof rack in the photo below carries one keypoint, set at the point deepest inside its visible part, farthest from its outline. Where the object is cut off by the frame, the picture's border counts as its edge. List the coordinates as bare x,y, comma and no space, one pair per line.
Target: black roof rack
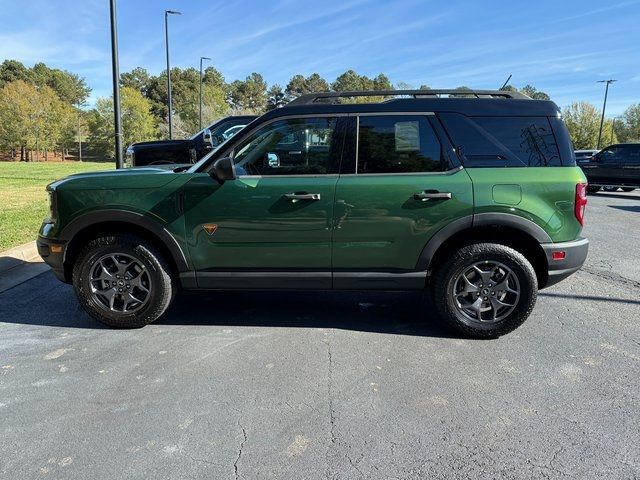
333,97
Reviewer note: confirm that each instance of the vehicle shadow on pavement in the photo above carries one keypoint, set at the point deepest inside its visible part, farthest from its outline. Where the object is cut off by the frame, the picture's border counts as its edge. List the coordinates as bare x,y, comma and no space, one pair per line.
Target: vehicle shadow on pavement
43,301
623,196
380,312
628,208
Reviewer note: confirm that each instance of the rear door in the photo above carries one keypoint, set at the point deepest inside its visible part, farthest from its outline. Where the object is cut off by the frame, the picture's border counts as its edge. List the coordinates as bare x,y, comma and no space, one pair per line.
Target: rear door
399,185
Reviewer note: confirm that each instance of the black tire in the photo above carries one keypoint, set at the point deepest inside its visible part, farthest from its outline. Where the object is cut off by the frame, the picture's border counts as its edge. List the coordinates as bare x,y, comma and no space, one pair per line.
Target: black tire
162,286
628,189
593,189
609,188
448,274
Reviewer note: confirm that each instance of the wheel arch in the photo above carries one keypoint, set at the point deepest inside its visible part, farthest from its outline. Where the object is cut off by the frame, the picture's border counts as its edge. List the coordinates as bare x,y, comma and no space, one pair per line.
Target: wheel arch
510,230
89,226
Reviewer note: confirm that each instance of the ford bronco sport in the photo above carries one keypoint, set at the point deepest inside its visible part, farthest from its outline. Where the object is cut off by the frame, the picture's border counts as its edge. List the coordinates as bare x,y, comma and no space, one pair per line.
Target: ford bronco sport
477,199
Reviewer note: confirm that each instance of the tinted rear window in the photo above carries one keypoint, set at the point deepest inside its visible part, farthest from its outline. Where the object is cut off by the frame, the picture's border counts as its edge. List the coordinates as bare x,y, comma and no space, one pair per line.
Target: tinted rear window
508,141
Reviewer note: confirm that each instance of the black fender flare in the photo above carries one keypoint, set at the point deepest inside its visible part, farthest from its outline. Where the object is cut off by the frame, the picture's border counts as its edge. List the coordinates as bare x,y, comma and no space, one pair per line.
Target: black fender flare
479,220
126,216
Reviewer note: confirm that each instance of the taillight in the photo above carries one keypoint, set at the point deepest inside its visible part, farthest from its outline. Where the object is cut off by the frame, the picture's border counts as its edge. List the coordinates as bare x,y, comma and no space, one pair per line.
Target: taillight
581,201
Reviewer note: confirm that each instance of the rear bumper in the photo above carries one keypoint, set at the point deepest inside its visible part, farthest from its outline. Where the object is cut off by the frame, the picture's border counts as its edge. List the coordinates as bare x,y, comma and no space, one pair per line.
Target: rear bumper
54,259
575,255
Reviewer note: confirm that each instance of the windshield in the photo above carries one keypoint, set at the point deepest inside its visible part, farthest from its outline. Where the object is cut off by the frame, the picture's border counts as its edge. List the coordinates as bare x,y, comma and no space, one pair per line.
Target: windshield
224,130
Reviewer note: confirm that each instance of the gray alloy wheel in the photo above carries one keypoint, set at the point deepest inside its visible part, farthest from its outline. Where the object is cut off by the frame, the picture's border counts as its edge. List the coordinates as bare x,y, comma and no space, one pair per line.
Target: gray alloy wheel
120,283
486,292
123,280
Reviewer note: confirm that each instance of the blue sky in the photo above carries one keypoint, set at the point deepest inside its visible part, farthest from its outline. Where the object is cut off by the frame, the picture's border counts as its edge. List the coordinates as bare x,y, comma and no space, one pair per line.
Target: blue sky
561,47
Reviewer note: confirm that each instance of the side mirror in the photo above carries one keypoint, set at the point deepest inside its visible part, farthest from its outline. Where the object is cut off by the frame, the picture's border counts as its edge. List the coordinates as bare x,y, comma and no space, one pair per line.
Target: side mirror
207,138
223,169
273,160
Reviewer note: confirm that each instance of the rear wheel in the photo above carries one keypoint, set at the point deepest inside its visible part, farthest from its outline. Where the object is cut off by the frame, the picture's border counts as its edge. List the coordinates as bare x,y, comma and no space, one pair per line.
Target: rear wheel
593,189
628,189
123,281
485,290
609,188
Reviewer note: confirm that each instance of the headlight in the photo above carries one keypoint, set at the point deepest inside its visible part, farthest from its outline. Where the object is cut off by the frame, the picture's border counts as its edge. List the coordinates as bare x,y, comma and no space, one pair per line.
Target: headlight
53,205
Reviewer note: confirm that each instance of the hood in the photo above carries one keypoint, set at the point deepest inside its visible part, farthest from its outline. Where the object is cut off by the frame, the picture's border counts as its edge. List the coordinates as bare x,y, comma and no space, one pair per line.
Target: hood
131,178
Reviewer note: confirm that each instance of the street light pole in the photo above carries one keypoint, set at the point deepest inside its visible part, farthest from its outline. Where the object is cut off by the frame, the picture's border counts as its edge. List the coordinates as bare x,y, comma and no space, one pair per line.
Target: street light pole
116,84
604,107
166,35
201,59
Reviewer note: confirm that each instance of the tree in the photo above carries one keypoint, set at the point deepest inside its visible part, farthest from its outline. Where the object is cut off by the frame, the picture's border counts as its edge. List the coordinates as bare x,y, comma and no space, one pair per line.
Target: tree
138,122
534,93
70,87
528,90
629,127
298,85
137,78
31,118
583,121
12,70
352,81
250,95
276,97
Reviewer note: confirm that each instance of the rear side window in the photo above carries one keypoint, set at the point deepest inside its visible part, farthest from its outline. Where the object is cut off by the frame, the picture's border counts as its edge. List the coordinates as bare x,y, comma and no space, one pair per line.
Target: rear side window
507,141
529,138
398,144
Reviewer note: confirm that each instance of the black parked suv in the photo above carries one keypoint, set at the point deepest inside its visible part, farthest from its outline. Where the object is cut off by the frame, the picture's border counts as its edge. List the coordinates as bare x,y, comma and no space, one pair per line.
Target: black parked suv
190,150
614,166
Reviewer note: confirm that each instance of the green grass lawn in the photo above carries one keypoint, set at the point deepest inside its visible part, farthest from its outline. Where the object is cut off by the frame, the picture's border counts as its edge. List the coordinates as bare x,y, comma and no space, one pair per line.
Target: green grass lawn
23,196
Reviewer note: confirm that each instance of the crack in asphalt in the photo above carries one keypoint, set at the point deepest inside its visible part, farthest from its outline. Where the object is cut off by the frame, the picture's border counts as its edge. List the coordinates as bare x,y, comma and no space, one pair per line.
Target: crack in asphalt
611,276
235,464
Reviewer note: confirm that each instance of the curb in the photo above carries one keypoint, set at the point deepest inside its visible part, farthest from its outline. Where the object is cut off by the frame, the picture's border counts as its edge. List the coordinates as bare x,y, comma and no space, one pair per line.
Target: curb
19,264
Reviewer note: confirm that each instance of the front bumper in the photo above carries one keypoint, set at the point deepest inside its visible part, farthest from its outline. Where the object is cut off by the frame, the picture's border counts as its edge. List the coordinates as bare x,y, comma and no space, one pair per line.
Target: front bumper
575,253
55,259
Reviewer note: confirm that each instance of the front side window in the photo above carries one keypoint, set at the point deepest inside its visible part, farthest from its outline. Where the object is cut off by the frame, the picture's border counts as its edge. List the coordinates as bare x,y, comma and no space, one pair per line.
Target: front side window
300,146
398,144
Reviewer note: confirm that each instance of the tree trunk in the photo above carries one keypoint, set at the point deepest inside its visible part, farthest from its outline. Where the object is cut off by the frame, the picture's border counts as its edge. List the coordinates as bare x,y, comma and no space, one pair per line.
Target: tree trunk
22,153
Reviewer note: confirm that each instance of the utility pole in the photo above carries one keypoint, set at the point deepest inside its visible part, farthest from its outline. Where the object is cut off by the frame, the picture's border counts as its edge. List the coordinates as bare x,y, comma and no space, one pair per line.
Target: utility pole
604,107
201,79
166,38
116,84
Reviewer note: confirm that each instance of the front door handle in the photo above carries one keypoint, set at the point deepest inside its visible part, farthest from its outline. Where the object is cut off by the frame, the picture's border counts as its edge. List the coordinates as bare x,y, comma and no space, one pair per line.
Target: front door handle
295,197
431,195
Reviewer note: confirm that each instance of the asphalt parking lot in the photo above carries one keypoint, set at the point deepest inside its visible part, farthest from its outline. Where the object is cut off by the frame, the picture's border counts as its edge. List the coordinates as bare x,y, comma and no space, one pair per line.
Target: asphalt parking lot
331,385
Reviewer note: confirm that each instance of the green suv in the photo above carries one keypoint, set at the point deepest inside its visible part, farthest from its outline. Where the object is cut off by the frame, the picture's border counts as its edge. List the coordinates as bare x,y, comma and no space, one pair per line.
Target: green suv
475,197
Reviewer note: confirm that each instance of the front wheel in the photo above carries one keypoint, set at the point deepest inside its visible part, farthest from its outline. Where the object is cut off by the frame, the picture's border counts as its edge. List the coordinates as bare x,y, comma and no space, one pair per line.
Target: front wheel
485,290
593,189
628,189
123,281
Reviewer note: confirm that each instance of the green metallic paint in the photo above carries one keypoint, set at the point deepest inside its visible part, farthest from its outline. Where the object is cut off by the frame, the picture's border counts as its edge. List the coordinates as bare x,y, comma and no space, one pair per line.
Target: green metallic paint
547,196
380,226
149,192
257,227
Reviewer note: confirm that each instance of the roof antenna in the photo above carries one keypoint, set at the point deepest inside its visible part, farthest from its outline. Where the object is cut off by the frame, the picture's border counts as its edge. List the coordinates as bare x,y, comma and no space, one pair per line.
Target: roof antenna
506,82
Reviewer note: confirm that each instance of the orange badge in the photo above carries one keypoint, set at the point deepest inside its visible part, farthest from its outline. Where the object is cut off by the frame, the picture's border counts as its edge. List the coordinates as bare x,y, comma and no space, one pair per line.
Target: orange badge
210,228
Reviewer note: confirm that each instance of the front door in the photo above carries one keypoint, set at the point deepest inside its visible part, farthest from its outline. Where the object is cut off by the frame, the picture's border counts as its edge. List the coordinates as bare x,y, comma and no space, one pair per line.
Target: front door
406,186
271,227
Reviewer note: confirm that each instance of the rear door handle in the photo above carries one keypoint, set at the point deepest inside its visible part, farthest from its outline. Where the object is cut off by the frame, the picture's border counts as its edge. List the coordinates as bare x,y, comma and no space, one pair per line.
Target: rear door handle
295,197
430,195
